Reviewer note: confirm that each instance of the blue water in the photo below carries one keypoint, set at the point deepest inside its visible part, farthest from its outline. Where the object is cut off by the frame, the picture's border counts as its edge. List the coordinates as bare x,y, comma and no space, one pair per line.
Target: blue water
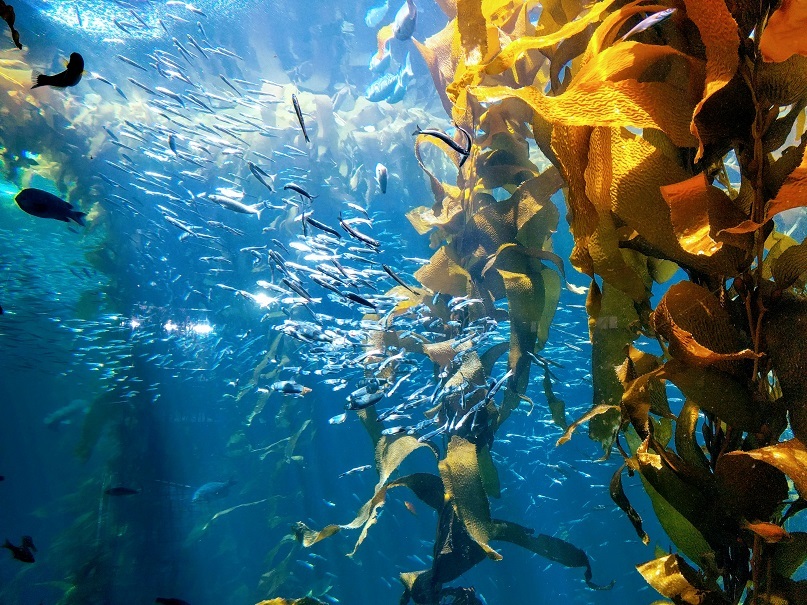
124,316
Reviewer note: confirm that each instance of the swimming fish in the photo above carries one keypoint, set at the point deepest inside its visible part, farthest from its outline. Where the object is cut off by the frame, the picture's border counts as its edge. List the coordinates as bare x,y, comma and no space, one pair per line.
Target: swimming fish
24,552
404,25
212,491
442,136
376,14
299,113
69,77
648,22
289,387
381,177
121,490
170,601
7,15
46,205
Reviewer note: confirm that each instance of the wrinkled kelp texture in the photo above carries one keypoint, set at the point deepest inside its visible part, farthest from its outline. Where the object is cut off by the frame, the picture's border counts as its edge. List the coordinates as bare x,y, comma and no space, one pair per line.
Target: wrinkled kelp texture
676,148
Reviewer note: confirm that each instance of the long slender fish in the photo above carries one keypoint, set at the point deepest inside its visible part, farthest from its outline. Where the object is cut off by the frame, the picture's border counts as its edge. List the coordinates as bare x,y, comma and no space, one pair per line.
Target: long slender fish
322,227
442,136
299,113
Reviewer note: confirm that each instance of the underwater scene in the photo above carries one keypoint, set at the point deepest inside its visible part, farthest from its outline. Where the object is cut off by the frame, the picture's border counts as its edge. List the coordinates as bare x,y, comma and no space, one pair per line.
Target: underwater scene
466,302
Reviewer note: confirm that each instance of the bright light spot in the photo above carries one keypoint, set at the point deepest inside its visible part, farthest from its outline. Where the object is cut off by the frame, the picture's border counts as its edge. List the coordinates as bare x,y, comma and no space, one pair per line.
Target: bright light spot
134,323
170,326
202,329
264,300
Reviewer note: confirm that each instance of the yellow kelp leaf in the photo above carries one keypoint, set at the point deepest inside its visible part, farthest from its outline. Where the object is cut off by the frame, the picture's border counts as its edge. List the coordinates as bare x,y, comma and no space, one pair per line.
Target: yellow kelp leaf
790,266
443,274
595,411
465,490
621,500
607,92
716,392
606,33
699,330
719,34
790,457
686,444
783,35
473,31
697,211
672,577
596,243
775,244
443,353
637,172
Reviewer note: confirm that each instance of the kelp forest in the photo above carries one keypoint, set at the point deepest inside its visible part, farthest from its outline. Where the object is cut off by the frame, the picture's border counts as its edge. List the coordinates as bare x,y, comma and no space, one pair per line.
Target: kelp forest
675,147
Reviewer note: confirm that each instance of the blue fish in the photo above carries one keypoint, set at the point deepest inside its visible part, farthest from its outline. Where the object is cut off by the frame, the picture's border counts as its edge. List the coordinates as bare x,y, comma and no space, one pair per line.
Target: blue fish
381,88
405,76
212,491
376,14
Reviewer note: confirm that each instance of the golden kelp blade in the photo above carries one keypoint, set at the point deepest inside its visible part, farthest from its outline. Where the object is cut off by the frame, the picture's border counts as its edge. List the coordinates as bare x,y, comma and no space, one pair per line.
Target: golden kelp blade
783,35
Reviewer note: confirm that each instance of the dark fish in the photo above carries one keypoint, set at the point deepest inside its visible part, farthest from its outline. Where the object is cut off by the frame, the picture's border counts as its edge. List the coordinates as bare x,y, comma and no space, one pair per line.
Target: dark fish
289,387
46,205
322,227
212,490
296,188
359,299
24,552
364,239
299,113
442,136
69,77
392,274
405,20
121,490
1,312
363,401
170,601
7,15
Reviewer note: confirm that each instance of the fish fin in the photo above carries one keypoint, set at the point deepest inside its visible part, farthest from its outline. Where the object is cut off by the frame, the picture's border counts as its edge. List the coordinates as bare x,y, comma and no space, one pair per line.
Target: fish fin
39,80
78,217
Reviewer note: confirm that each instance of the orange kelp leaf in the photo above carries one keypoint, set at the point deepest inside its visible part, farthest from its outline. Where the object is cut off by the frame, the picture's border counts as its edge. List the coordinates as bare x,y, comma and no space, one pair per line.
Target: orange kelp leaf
686,444
783,35
697,210
466,492
621,500
595,411
790,457
718,31
443,274
443,353
606,33
699,330
672,577
607,92
715,392
790,265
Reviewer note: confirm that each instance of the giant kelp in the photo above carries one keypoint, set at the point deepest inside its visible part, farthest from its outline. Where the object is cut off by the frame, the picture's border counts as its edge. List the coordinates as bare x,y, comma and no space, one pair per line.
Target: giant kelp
645,131
677,146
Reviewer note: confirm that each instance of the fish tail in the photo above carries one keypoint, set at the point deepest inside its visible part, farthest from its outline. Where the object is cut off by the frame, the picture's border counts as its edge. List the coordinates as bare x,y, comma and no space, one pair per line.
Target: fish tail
78,217
417,130
8,545
39,80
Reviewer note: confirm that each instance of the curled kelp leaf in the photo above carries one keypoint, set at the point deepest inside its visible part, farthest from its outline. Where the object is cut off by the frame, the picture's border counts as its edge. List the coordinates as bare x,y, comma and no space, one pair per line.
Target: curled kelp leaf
699,331
721,40
750,489
675,579
621,500
444,274
790,457
302,601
